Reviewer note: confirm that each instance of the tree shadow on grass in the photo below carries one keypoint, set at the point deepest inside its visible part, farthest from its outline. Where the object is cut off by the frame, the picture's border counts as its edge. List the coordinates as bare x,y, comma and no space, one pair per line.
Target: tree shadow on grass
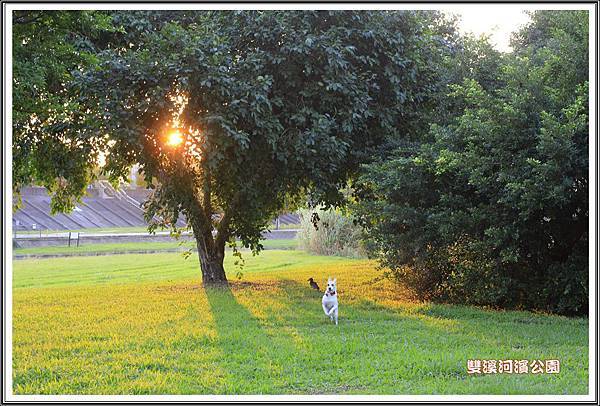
254,360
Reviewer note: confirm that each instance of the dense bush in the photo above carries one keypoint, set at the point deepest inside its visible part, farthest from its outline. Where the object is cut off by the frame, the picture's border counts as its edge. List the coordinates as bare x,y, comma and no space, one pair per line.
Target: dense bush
491,207
332,234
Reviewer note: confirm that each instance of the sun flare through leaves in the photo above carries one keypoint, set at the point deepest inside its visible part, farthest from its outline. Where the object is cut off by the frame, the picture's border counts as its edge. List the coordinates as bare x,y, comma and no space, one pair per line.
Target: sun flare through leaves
174,138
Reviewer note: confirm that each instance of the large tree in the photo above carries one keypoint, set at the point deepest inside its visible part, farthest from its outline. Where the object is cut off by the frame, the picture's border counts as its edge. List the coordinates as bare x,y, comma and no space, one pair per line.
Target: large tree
491,207
231,115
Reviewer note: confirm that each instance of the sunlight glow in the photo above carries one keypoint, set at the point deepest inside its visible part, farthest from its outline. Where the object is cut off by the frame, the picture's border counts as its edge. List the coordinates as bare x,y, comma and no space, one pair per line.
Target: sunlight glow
175,138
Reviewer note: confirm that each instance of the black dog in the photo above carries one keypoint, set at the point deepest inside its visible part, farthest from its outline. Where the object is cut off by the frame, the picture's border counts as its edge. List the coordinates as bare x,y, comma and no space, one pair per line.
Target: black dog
314,285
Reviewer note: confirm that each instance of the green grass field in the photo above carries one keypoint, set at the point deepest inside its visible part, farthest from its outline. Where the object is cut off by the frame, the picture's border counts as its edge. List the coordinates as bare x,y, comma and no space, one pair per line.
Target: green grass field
279,244
142,324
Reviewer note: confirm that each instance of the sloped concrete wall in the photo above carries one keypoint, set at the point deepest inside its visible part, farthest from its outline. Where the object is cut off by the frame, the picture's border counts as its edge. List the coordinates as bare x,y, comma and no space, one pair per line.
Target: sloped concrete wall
95,211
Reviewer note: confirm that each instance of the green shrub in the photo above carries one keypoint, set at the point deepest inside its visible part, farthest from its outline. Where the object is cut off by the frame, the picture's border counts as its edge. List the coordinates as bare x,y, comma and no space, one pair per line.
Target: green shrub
491,206
459,273
464,272
334,234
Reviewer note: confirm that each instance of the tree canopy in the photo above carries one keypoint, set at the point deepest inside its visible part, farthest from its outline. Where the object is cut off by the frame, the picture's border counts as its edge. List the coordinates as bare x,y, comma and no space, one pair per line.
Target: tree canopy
269,106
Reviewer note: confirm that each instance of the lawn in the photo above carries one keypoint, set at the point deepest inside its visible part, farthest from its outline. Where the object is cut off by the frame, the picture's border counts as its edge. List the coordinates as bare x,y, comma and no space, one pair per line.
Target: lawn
142,324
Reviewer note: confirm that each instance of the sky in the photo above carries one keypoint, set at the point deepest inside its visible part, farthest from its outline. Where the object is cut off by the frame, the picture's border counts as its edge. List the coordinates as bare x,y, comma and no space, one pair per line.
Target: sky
499,21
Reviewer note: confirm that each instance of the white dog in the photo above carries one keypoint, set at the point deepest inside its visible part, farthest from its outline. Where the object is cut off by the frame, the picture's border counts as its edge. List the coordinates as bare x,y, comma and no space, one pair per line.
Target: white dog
330,302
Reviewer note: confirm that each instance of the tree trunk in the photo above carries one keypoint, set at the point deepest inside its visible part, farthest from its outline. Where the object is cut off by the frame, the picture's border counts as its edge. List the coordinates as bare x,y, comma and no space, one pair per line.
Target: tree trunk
211,257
